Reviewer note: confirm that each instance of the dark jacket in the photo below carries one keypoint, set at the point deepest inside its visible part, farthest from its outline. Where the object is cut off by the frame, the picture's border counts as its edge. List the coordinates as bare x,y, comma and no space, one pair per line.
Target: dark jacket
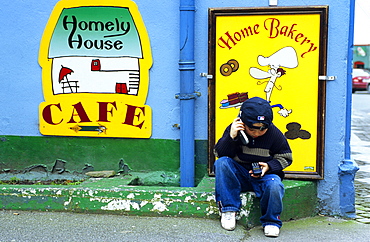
272,148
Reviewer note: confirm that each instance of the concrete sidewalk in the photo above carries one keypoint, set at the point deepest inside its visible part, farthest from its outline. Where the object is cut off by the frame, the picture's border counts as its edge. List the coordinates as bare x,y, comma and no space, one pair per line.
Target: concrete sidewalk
317,229
54,226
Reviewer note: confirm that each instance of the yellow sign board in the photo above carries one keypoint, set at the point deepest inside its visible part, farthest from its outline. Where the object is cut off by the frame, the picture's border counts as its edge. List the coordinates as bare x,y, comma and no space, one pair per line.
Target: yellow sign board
95,58
276,56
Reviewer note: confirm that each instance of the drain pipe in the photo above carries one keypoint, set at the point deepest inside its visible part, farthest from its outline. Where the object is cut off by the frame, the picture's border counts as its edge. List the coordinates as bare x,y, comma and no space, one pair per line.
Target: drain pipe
348,168
347,152
187,95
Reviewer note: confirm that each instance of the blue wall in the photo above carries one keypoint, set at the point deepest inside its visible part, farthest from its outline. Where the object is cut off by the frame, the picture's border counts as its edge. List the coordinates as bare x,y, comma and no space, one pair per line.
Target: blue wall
22,25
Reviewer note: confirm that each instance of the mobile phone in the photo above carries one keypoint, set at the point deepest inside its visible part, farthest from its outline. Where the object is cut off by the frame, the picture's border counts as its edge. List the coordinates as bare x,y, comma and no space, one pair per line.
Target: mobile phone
256,168
242,135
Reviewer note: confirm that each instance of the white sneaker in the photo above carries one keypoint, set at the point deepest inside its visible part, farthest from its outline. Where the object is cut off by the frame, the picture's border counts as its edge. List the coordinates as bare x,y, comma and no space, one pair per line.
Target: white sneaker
228,220
271,231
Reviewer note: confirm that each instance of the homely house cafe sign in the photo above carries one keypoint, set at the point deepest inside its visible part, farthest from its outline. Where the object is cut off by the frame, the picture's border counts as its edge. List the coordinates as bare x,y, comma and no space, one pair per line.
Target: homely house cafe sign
95,58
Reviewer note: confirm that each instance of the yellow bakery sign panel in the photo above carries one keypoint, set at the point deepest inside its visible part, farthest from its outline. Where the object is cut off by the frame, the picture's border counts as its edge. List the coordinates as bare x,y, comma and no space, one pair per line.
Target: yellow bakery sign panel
275,54
95,58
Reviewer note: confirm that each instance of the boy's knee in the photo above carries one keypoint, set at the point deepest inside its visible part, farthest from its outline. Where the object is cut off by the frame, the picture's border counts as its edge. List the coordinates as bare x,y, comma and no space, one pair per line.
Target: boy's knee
275,184
222,163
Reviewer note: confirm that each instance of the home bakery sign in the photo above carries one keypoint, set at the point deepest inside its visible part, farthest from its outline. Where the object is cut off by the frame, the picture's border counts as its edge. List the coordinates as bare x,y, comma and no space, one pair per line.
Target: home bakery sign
95,58
277,54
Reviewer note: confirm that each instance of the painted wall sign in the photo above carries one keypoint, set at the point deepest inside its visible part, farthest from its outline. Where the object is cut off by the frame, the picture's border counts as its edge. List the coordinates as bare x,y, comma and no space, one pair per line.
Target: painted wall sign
95,58
277,54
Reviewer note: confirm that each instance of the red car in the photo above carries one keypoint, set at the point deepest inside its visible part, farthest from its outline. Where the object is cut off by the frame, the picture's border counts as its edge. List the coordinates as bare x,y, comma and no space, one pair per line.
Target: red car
360,80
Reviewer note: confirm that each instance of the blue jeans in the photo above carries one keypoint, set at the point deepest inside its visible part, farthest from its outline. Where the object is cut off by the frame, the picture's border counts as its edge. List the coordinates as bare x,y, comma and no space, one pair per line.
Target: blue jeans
232,179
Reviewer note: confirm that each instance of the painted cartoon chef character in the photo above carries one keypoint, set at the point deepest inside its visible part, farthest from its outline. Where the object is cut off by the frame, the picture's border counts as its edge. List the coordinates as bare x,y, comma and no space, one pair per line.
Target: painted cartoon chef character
285,57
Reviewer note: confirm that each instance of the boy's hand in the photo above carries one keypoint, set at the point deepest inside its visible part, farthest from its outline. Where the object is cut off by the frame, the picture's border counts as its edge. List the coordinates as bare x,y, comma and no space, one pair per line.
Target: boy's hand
264,167
235,127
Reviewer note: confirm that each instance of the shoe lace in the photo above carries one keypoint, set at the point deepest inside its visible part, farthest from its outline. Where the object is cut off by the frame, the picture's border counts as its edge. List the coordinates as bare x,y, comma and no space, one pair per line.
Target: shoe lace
229,215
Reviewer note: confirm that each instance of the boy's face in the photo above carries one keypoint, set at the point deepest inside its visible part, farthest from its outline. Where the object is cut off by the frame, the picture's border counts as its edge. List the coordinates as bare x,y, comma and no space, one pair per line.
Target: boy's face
255,132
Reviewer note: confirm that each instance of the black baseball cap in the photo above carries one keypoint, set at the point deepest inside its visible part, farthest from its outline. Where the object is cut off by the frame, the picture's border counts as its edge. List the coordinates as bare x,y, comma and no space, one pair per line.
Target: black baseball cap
256,110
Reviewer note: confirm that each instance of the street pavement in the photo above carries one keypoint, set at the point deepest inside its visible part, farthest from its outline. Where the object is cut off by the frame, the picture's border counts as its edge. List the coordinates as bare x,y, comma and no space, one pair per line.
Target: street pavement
54,226
360,153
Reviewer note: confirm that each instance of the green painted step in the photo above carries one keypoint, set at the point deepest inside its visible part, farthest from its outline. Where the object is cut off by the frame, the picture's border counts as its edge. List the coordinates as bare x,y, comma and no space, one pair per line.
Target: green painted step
114,196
